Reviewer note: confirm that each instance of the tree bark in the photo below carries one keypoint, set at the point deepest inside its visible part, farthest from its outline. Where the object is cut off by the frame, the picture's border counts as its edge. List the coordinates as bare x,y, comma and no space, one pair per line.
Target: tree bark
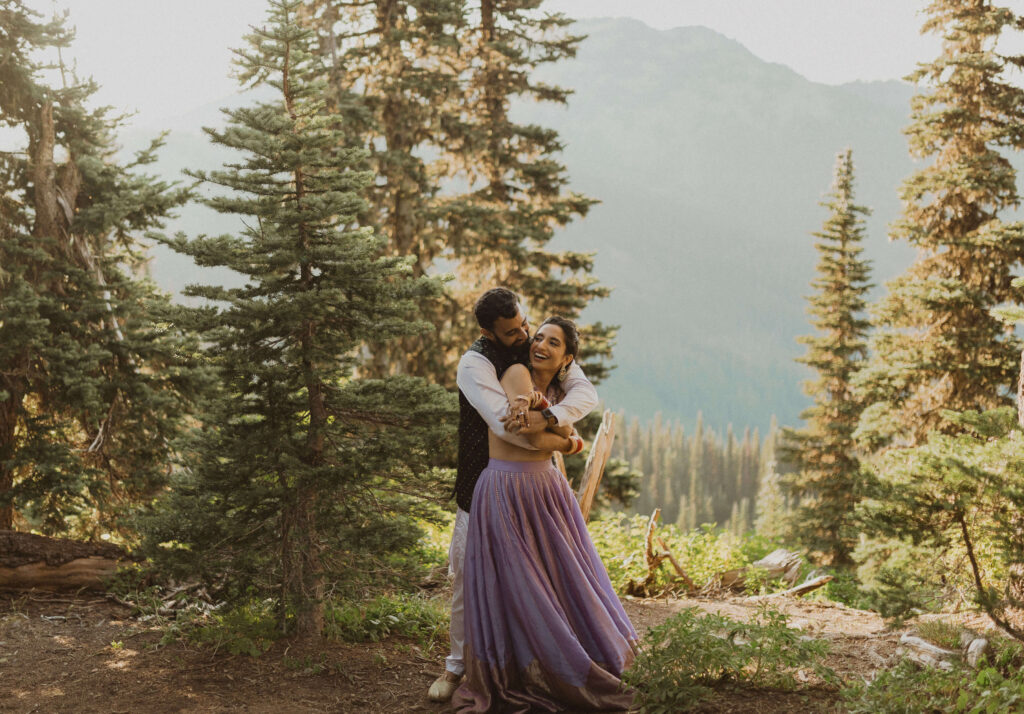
9,409
33,561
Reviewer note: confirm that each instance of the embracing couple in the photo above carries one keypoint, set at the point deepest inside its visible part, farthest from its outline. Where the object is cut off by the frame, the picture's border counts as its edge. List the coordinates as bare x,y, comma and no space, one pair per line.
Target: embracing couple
535,622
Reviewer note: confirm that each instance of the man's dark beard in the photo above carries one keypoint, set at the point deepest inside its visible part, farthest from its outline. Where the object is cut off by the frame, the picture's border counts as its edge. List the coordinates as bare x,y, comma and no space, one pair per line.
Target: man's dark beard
518,353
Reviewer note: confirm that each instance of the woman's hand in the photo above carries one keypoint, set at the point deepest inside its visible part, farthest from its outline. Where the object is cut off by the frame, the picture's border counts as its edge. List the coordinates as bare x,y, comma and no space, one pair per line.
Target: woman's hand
519,411
520,407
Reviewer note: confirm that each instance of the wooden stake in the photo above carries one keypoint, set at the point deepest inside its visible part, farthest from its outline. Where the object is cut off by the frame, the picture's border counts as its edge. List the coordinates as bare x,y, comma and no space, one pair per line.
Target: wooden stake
600,451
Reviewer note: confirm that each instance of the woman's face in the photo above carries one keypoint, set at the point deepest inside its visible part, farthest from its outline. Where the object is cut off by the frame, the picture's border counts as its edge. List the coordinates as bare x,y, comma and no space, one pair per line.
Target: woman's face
547,350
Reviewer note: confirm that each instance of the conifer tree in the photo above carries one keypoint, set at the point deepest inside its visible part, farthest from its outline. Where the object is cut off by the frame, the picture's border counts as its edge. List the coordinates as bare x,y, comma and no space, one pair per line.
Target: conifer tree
518,190
938,347
824,480
426,87
301,468
93,384
394,73
771,506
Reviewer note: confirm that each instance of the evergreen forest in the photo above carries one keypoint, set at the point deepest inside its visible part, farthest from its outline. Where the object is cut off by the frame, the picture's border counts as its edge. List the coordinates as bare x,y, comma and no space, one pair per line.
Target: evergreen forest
252,463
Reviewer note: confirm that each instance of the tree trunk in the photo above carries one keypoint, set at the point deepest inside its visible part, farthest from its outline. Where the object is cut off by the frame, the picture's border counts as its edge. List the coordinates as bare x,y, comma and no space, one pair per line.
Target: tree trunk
9,409
33,561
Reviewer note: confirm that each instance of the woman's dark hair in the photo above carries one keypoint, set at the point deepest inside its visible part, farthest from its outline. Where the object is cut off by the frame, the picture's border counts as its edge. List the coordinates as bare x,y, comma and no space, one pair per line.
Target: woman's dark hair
494,304
572,335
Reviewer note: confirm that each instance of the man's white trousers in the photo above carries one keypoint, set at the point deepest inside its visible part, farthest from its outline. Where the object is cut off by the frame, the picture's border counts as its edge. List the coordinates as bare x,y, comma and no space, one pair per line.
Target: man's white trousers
456,561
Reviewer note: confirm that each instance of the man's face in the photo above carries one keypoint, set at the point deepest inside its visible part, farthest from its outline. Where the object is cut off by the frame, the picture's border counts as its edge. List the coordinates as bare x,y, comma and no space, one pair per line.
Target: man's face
510,332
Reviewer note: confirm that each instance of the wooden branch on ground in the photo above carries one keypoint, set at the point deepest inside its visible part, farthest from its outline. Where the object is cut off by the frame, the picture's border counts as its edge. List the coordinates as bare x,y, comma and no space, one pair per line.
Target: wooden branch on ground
675,564
33,561
653,561
600,451
642,588
803,588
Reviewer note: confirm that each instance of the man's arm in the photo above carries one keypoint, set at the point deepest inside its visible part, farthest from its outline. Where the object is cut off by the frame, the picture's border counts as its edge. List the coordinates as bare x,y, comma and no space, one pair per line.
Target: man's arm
579,400
478,380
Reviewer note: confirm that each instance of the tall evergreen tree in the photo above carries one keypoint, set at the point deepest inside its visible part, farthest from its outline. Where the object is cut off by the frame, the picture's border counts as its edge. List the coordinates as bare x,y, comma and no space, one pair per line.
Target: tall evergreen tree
823,453
518,189
93,386
938,347
426,87
393,70
300,465
772,506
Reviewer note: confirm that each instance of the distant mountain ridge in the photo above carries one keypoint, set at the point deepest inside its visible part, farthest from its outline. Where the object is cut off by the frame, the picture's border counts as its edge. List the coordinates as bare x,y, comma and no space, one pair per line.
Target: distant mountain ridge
709,163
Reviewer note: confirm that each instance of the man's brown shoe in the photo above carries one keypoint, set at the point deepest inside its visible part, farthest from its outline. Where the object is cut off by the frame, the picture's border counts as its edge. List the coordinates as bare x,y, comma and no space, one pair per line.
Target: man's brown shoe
444,687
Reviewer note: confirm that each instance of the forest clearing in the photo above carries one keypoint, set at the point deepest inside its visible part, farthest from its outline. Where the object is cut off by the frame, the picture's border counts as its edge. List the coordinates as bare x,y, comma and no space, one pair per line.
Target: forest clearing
356,458
72,653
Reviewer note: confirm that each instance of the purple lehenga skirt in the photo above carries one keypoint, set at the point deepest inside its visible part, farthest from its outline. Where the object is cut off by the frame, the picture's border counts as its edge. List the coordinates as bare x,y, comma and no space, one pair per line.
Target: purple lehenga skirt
545,631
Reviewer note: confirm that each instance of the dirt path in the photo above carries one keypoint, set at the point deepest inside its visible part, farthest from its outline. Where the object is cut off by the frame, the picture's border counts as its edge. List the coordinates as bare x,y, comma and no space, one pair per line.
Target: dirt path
86,654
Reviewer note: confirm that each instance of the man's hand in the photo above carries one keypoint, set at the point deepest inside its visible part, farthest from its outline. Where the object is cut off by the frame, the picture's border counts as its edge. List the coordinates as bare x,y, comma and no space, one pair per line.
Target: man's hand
535,423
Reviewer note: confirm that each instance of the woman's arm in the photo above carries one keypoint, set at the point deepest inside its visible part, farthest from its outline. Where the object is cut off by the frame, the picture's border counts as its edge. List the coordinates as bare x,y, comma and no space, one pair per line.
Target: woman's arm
516,381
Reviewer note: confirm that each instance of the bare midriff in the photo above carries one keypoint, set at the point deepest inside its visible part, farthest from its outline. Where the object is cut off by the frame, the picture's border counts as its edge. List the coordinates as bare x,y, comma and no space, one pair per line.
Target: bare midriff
501,449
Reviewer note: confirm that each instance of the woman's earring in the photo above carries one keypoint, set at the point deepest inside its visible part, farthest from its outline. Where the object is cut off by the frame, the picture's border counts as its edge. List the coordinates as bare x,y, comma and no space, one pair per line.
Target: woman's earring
563,373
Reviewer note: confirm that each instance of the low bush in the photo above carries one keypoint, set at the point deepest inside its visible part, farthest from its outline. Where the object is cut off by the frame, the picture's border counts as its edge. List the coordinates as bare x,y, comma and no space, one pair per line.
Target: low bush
422,618
681,660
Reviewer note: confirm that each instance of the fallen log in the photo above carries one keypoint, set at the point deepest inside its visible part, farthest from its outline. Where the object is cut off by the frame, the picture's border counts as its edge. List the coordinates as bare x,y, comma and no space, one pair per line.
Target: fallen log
33,561
780,563
925,653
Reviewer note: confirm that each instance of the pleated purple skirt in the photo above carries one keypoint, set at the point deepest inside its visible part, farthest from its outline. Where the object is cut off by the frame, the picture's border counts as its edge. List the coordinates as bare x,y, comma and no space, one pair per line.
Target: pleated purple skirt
545,631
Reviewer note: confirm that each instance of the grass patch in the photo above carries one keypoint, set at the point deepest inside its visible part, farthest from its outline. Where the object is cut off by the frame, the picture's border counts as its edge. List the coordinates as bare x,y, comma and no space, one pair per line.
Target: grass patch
941,633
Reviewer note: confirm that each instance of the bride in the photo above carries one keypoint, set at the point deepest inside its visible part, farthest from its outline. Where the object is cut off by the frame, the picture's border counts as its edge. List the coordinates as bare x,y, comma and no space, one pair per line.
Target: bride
544,628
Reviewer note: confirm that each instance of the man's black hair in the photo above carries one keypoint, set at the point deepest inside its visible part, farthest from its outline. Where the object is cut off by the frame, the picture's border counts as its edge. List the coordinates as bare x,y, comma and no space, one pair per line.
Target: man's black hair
494,304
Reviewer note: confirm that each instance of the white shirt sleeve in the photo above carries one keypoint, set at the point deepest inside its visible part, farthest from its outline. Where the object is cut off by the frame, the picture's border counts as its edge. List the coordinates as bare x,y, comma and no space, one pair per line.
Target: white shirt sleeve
478,380
579,400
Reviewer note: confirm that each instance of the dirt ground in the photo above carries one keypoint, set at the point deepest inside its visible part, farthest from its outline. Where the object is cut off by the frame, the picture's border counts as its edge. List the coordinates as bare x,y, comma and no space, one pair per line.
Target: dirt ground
85,653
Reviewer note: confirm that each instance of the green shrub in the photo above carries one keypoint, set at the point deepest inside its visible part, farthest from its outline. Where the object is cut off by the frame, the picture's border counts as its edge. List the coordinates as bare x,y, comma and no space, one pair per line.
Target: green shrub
681,660
424,619
703,552
249,629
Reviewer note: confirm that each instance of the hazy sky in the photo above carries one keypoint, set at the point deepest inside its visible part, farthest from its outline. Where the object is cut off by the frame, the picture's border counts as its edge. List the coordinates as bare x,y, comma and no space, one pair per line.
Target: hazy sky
161,57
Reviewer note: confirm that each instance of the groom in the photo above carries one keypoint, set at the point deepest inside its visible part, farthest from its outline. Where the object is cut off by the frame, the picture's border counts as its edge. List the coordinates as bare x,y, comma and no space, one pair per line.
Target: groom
504,341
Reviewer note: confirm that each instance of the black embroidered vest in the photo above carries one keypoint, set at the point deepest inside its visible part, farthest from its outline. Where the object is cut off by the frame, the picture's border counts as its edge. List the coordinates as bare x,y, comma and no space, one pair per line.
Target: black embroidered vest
473,449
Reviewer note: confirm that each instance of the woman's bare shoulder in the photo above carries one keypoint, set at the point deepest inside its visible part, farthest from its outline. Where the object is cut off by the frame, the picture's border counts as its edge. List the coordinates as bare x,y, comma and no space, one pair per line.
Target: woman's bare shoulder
517,370
516,374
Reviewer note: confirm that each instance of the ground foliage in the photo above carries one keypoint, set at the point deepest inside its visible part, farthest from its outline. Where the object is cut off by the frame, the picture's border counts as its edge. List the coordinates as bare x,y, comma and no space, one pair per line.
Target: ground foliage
682,660
704,552
996,685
